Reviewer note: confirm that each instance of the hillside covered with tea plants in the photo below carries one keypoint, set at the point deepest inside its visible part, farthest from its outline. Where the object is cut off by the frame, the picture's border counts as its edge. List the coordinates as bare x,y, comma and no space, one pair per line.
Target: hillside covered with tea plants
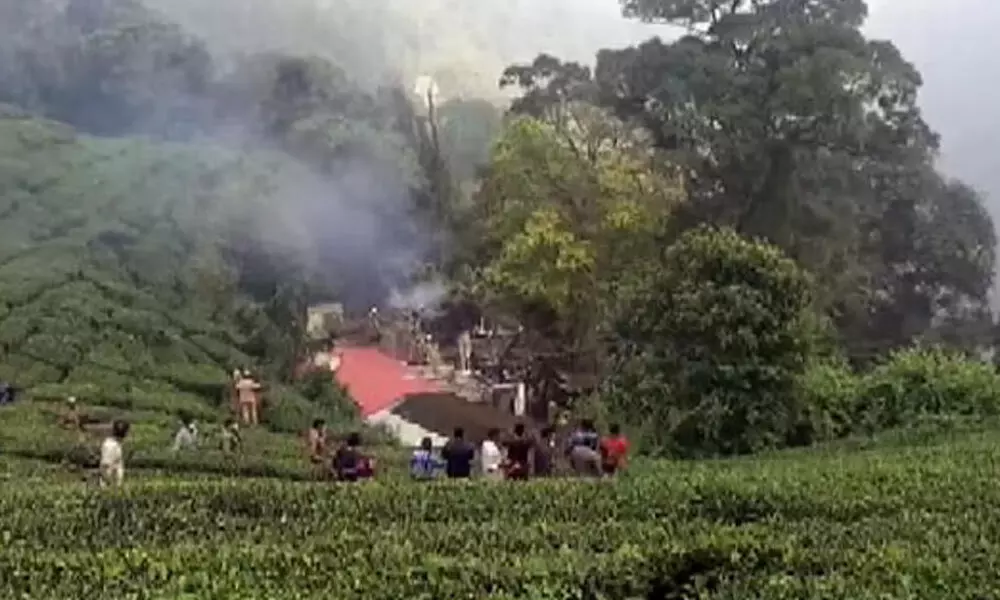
891,521
167,218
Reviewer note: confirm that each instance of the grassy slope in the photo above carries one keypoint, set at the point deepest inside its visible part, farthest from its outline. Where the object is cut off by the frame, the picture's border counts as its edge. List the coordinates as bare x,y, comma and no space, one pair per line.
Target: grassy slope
104,292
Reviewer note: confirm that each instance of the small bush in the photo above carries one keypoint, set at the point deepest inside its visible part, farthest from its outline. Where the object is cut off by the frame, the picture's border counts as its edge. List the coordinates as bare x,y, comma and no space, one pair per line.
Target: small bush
293,409
329,396
285,411
829,393
916,383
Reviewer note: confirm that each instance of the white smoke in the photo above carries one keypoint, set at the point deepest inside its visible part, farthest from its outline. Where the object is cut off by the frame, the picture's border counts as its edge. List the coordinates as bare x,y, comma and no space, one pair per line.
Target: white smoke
426,295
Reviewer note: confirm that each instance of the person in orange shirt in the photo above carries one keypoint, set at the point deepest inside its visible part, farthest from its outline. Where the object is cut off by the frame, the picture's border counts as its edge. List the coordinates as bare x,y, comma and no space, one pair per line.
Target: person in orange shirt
614,450
247,388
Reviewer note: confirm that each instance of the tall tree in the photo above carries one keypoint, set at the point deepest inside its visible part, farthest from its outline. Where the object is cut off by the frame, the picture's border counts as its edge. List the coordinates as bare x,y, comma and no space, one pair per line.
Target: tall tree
790,125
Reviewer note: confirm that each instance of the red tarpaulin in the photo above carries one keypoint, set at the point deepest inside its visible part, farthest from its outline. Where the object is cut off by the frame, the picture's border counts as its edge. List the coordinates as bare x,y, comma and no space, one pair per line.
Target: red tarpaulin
377,381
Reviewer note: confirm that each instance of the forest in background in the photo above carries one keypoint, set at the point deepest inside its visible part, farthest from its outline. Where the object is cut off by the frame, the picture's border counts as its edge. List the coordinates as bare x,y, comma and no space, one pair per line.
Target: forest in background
730,231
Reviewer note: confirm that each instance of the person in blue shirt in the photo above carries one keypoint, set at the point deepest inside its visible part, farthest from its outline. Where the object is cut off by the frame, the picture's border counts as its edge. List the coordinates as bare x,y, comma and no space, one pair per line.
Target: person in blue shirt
423,464
583,449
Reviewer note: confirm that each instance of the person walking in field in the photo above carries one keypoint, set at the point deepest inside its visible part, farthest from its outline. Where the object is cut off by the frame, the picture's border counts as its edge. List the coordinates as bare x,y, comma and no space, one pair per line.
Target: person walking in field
423,465
72,419
112,463
234,392
231,440
520,448
583,452
247,388
614,451
458,455
490,456
187,436
316,442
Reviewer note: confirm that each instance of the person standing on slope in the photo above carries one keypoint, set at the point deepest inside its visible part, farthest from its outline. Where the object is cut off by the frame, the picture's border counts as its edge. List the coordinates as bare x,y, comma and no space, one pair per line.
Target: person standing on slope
349,464
247,388
490,456
316,443
231,439
458,455
112,464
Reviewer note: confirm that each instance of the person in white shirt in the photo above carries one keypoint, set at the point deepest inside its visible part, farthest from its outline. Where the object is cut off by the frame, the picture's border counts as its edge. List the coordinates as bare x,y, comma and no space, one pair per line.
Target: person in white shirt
112,457
491,456
187,435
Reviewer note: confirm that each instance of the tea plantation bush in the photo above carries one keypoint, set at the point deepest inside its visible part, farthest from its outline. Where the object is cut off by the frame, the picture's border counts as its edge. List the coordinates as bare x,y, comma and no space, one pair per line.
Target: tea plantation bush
898,523
917,383
908,388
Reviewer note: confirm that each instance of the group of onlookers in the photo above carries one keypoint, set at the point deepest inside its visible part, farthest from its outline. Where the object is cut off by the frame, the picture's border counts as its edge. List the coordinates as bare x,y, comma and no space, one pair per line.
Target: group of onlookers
517,456
522,455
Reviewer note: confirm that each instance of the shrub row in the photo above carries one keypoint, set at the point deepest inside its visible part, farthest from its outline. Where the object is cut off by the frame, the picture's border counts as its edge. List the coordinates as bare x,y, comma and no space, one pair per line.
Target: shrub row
898,523
909,387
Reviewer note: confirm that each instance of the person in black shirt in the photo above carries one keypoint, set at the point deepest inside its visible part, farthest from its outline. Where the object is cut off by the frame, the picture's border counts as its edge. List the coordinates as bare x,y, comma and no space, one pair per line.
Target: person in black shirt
520,448
544,453
458,455
349,464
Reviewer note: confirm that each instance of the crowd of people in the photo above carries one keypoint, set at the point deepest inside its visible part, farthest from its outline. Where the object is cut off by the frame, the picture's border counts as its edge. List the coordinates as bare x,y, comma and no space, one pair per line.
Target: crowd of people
521,455
516,455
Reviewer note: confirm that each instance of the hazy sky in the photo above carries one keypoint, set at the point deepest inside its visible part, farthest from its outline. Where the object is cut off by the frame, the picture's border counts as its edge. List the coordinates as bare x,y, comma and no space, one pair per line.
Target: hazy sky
954,44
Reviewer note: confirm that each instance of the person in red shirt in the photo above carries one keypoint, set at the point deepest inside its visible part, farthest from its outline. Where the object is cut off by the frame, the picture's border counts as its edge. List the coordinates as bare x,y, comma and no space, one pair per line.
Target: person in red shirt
614,450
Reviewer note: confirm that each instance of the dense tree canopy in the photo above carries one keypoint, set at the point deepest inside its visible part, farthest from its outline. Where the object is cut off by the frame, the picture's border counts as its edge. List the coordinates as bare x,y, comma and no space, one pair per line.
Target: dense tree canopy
790,125
710,346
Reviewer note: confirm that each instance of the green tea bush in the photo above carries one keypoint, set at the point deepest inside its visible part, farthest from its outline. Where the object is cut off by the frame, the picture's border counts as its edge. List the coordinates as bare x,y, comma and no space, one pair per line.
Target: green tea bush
916,383
889,524
328,395
292,409
829,393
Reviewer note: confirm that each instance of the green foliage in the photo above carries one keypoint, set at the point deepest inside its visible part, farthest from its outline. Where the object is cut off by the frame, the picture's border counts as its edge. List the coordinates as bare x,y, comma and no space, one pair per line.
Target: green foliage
917,383
468,129
117,272
566,207
711,340
751,105
293,409
892,523
331,397
830,395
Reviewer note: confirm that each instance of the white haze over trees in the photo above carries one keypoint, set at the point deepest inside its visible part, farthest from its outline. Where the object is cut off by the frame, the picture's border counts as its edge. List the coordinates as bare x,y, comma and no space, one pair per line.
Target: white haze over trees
464,45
